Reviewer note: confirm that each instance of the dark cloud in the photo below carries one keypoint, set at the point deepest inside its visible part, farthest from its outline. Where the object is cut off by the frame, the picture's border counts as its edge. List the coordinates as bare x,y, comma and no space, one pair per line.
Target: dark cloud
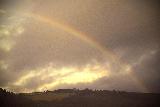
148,71
129,28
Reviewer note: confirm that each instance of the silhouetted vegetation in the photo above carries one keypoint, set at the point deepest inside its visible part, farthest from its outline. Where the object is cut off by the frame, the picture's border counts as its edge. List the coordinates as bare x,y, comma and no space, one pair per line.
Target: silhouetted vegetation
10,99
79,98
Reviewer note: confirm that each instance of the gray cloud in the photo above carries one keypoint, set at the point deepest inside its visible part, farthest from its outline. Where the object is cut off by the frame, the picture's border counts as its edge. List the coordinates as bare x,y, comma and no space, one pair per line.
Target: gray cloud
129,28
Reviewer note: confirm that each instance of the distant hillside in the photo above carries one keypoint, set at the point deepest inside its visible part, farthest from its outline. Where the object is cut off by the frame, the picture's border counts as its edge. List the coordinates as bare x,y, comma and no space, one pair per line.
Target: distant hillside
79,98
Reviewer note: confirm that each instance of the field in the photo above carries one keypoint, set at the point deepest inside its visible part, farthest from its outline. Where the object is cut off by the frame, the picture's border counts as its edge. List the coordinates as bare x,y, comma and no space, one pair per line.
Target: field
79,98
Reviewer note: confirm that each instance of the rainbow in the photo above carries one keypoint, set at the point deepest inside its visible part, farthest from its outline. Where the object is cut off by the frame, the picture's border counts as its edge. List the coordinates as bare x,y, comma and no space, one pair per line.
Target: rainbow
93,43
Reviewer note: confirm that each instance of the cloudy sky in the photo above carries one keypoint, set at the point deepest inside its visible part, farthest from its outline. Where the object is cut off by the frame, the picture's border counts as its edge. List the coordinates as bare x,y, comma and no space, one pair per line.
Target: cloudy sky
98,44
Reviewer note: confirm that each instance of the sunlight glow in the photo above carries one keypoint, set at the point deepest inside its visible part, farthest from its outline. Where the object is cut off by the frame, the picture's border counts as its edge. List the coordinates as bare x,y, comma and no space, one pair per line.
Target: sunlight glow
53,77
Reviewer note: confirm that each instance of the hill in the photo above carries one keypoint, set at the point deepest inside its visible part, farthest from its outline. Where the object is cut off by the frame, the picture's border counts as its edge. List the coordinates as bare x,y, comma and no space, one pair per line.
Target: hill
79,98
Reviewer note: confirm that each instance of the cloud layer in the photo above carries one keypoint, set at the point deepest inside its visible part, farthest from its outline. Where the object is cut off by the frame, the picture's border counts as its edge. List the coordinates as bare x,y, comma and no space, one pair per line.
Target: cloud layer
35,56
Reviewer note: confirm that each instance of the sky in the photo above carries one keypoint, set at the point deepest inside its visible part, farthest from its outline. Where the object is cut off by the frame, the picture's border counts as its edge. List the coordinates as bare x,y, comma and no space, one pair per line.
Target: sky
97,44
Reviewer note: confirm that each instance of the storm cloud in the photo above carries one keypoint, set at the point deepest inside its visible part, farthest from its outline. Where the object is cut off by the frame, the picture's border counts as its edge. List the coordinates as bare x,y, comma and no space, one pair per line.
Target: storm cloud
35,56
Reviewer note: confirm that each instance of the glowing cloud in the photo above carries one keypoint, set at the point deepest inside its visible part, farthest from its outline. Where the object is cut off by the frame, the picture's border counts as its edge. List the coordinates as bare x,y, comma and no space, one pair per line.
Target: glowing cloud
53,77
